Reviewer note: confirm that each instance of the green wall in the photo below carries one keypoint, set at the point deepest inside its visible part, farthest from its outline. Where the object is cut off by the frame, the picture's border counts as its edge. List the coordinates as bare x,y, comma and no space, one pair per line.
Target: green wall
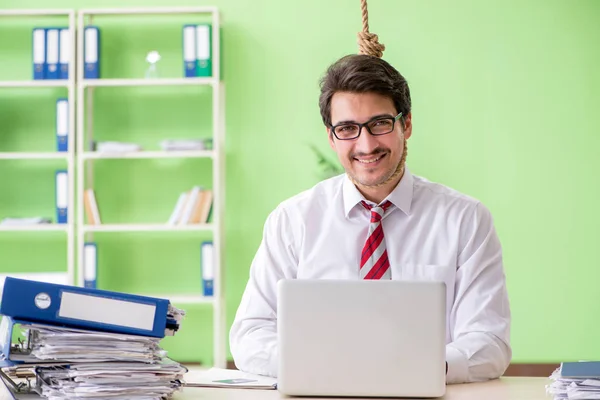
505,98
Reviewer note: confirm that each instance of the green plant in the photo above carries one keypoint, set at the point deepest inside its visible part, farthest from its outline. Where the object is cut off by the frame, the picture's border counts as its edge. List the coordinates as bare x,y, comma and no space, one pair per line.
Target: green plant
328,167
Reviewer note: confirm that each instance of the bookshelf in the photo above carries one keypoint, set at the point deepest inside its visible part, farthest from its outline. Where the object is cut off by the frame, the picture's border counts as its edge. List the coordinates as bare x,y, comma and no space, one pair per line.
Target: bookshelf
48,89
87,160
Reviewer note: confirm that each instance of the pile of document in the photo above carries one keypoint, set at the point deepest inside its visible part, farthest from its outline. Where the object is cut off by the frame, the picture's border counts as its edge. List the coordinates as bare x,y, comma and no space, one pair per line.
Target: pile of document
25,221
59,361
182,144
575,381
117,147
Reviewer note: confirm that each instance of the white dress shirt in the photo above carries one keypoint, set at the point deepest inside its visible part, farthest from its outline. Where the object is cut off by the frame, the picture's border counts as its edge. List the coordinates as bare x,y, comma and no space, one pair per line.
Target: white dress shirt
432,233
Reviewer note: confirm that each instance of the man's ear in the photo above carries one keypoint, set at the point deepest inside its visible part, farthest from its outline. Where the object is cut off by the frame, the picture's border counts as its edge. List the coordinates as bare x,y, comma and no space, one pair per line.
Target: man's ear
407,125
331,142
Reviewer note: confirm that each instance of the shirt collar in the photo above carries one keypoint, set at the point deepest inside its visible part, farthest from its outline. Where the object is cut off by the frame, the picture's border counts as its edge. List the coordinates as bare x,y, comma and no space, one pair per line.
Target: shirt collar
401,196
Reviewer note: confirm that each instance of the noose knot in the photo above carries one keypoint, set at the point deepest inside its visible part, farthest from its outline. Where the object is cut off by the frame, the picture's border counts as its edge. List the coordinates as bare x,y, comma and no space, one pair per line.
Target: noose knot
368,43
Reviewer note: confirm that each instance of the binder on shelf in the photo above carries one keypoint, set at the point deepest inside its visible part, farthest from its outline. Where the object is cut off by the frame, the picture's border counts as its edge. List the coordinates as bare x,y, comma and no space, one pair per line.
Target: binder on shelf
39,52
203,50
62,124
65,53
90,265
207,265
52,53
85,308
91,52
62,196
189,51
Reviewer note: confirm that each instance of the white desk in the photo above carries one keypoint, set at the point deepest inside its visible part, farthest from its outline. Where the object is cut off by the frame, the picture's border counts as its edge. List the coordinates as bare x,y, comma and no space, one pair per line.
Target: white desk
509,388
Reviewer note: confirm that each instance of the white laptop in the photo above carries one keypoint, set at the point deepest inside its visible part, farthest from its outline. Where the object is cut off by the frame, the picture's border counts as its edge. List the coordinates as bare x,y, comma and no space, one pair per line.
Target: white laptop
361,338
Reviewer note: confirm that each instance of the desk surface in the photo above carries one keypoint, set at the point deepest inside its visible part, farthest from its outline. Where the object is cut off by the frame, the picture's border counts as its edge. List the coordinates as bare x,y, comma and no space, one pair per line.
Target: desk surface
506,388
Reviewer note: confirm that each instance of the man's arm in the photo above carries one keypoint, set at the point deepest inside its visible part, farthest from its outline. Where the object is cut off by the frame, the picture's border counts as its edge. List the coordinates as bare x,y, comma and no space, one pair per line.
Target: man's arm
253,335
480,316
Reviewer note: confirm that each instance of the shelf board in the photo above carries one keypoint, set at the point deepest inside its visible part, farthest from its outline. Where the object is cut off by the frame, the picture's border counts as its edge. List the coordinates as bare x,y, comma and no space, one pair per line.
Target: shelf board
39,12
146,228
33,156
148,82
34,228
182,298
150,11
42,83
149,154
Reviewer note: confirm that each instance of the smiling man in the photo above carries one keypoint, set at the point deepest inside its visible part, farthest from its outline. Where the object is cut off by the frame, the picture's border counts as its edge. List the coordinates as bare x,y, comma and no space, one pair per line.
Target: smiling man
379,221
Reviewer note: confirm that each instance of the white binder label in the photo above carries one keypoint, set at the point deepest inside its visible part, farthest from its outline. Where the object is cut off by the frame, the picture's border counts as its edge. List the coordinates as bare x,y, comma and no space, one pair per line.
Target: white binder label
203,42
52,44
62,118
62,191
107,311
189,45
39,46
65,46
91,45
89,262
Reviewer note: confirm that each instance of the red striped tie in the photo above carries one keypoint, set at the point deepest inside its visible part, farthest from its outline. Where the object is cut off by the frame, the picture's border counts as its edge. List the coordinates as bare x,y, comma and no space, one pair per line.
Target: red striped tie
374,262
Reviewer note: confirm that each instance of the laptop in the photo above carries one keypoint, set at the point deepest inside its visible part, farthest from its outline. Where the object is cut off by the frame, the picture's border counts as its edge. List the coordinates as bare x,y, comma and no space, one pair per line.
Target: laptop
361,338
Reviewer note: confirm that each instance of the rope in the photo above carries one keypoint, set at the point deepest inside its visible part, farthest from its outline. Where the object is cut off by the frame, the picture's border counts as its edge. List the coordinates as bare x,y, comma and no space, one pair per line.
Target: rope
368,43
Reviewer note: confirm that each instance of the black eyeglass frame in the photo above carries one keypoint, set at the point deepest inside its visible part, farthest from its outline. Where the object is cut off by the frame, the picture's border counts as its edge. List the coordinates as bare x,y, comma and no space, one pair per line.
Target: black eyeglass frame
366,125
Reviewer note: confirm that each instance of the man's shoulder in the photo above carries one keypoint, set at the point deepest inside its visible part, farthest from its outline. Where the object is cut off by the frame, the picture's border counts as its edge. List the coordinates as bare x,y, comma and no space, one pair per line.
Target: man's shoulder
443,194
314,199
323,190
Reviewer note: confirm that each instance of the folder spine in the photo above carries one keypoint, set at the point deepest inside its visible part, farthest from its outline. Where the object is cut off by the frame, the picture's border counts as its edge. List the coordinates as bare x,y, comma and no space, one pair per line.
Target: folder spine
203,50
65,53
52,52
90,265
207,266
39,53
62,124
91,52
84,308
189,50
62,196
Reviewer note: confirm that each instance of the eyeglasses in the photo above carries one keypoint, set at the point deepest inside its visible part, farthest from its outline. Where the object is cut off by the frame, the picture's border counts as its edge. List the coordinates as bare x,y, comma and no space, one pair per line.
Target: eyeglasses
377,126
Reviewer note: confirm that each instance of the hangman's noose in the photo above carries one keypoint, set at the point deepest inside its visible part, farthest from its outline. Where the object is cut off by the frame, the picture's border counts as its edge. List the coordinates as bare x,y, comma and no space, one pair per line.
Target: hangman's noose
368,43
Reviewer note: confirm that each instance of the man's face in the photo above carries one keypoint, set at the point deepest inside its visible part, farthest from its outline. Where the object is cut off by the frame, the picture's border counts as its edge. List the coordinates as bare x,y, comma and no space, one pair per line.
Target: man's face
369,160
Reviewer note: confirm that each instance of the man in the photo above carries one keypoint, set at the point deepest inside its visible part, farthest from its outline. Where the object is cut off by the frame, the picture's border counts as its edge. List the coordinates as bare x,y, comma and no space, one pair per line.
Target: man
378,221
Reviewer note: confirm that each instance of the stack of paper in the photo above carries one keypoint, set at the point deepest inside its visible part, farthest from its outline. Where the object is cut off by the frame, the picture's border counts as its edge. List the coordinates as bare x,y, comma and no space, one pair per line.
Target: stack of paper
575,381
25,221
97,365
117,147
182,144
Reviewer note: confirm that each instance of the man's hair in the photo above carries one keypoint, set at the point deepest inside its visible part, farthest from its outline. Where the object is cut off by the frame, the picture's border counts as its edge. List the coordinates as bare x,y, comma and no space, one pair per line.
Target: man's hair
360,73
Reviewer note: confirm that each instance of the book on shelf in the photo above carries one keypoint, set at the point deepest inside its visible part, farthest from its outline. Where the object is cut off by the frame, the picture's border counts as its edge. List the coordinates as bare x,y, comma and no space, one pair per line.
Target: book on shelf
192,207
91,207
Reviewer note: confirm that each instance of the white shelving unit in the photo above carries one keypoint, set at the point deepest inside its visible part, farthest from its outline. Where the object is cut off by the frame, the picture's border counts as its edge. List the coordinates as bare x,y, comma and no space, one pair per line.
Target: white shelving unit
86,159
69,156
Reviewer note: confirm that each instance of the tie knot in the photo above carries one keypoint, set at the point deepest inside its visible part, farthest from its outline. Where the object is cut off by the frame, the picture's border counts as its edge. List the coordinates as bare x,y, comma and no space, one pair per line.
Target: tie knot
377,211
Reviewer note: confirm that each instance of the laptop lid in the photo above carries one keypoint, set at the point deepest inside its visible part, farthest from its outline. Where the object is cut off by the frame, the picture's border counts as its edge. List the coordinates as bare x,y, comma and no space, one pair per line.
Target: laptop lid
361,338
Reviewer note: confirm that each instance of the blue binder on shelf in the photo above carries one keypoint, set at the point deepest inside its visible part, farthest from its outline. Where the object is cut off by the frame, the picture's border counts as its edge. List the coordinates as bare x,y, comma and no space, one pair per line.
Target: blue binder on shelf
90,265
62,124
84,308
189,51
39,52
52,53
208,267
91,52
62,196
64,57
